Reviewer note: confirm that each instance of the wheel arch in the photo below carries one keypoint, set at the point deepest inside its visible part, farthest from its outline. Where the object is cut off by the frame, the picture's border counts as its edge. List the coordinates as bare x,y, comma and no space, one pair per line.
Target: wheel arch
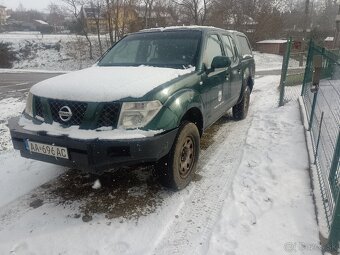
195,116
187,106
248,82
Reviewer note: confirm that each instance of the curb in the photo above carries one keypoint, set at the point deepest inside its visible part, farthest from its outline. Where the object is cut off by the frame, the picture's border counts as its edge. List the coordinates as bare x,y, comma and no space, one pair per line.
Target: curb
314,176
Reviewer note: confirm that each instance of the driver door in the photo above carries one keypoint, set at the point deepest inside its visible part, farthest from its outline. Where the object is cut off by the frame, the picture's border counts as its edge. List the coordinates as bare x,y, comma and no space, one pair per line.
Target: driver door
213,82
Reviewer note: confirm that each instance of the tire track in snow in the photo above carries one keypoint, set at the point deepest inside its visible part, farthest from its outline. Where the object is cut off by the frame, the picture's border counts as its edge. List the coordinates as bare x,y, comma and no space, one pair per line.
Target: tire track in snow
191,230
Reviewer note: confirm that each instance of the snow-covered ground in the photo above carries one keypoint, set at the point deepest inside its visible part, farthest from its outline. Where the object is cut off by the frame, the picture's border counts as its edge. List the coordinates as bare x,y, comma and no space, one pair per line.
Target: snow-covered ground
269,208
53,52
9,107
265,61
252,195
15,173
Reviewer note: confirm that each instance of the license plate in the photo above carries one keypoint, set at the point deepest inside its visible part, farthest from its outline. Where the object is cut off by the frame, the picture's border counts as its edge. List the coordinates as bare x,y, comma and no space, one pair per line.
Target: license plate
46,149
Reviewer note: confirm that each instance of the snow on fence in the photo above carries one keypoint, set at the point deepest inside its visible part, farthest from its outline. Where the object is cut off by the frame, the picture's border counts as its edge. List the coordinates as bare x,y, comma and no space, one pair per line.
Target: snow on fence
322,104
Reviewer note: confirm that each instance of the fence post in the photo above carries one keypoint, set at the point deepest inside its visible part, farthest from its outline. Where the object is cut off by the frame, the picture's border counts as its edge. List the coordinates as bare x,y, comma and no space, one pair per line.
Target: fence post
317,65
334,168
308,66
318,142
311,118
284,70
334,233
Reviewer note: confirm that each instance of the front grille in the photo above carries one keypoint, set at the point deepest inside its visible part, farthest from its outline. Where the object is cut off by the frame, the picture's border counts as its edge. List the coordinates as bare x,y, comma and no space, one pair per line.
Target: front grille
38,108
109,115
78,111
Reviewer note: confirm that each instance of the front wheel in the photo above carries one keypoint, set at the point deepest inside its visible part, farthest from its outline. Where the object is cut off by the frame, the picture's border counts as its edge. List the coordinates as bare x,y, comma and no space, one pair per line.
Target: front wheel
240,110
175,170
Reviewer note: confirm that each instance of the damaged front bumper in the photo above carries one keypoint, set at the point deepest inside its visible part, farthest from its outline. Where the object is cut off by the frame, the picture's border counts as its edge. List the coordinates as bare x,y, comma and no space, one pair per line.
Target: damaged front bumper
93,155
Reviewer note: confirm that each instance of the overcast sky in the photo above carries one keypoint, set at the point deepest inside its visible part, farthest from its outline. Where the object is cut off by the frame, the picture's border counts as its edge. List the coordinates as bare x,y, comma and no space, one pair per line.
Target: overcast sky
40,5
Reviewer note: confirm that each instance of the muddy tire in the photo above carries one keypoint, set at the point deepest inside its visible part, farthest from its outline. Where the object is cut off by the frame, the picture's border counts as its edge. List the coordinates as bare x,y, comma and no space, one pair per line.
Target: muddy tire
175,171
240,110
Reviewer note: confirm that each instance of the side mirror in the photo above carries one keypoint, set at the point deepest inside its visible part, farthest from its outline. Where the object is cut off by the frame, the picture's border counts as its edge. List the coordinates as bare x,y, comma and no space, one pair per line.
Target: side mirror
220,62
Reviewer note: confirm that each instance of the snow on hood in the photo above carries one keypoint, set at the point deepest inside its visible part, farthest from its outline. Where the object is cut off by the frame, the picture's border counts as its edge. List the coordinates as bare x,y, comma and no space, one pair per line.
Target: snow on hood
104,84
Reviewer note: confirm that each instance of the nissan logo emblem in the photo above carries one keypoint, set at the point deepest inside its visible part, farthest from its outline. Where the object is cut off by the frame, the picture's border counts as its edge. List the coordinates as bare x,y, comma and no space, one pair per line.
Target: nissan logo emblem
65,113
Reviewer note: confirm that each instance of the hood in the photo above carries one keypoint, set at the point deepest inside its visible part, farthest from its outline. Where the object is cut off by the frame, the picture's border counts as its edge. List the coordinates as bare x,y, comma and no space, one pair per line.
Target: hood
105,84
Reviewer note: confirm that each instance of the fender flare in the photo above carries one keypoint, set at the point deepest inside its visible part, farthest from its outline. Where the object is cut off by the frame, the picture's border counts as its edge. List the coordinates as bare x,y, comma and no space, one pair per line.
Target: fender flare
182,101
247,81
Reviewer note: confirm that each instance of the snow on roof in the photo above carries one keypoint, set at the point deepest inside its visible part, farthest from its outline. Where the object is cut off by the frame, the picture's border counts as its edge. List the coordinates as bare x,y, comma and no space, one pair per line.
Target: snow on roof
181,28
41,22
190,27
329,39
273,41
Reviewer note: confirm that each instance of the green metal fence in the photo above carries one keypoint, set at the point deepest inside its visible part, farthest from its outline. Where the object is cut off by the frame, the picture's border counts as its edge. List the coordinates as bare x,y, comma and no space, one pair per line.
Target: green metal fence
292,74
322,105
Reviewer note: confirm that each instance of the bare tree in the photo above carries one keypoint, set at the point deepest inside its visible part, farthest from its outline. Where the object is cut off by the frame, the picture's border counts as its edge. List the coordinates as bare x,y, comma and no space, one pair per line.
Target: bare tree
109,19
55,17
260,19
116,4
194,11
20,8
164,13
173,12
96,7
75,7
148,5
125,16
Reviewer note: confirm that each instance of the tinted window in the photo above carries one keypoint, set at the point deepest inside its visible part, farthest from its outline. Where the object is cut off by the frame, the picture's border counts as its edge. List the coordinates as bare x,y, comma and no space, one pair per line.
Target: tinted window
229,47
165,49
244,45
212,50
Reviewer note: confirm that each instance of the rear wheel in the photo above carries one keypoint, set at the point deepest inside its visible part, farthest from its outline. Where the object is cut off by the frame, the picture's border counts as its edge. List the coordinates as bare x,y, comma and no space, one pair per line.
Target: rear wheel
240,110
175,170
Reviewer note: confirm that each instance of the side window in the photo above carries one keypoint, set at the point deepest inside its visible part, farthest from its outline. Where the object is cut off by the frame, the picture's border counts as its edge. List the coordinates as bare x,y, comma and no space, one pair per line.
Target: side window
244,45
212,50
229,47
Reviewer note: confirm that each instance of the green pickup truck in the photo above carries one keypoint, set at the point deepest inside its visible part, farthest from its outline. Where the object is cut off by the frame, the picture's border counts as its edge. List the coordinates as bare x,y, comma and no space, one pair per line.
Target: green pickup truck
147,100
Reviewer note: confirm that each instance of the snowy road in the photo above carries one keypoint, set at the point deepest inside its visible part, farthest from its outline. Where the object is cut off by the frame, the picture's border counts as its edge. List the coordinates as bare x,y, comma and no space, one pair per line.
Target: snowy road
251,195
16,84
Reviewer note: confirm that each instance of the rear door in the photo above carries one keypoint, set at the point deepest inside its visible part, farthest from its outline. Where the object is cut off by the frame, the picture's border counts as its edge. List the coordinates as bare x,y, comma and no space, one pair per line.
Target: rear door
235,71
246,56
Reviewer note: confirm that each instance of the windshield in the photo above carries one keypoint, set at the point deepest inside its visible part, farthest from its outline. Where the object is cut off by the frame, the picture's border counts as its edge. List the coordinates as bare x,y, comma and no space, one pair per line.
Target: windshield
175,49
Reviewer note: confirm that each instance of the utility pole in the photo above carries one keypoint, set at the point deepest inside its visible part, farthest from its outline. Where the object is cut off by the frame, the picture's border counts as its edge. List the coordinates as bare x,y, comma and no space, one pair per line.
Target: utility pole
307,20
306,25
337,27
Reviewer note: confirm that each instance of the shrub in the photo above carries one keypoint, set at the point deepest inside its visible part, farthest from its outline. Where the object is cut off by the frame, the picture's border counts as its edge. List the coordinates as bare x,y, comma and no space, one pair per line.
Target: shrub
7,55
